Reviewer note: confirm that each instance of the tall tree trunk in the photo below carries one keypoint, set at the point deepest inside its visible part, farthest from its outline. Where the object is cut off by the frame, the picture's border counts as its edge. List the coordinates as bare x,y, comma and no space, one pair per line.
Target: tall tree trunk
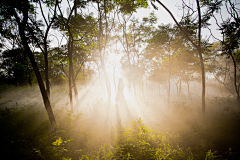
73,78
46,47
203,82
83,70
131,77
201,58
235,77
180,88
198,47
46,74
106,40
177,89
169,80
37,73
70,71
108,86
188,90
22,27
74,84
46,62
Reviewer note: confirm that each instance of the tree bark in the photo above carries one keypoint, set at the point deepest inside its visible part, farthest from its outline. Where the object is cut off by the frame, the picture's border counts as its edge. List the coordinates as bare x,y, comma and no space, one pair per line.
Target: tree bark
22,26
70,72
235,77
198,47
201,58
45,96
108,86
169,80
74,78
71,79
46,73
46,47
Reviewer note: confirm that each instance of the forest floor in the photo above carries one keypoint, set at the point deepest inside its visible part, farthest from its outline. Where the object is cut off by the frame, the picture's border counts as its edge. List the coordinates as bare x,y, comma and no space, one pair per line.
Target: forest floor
176,130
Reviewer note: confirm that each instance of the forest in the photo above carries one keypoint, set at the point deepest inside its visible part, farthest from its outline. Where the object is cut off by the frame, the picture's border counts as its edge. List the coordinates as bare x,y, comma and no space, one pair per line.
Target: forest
112,80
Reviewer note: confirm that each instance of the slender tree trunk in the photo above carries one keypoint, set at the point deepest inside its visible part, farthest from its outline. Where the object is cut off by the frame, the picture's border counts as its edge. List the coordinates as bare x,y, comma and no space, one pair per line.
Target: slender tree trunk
70,71
198,47
45,46
108,86
131,83
235,77
73,78
74,85
203,83
46,75
38,75
114,79
177,89
180,88
143,89
22,26
83,70
169,81
46,63
201,58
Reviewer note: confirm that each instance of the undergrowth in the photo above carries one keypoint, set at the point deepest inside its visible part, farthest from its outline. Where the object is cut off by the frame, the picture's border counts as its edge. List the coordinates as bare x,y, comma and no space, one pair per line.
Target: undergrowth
27,134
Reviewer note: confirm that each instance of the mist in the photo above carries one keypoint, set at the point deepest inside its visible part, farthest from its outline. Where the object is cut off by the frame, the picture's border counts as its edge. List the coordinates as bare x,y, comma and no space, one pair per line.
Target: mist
92,80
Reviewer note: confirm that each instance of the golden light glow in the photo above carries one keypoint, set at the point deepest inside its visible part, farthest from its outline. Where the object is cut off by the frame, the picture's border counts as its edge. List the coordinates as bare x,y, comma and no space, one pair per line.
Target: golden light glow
114,71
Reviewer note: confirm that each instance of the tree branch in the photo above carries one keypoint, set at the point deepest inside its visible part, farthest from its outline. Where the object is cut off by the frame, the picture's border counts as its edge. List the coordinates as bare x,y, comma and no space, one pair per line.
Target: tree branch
185,34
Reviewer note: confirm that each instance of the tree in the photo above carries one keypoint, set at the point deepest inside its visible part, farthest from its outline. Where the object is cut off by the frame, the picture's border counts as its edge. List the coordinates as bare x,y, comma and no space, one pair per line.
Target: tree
21,12
48,24
77,28
220,66
16,67
161,49
230,42
104,8
172,54
134,41
201,21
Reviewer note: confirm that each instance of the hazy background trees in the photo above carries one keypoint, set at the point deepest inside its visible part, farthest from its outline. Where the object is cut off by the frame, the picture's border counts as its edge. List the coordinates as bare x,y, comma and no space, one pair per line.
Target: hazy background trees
67,41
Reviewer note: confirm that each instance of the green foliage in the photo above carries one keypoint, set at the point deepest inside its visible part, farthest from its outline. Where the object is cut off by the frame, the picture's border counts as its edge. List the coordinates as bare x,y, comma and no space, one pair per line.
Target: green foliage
27,134
137,142
22,130
16,68
129,6
59,147
105,152
211,155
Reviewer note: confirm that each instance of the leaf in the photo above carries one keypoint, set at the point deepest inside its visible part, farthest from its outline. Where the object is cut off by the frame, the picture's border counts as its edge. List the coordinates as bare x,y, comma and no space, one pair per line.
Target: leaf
58,142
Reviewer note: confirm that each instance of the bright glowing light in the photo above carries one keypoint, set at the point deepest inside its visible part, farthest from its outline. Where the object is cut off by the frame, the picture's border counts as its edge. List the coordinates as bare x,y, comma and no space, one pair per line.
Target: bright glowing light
113,65
113,68
127,95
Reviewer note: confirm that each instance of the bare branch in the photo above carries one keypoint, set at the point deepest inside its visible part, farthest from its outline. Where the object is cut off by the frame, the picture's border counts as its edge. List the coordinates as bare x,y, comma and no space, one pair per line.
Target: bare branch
185,34
223,84
212,34
43,13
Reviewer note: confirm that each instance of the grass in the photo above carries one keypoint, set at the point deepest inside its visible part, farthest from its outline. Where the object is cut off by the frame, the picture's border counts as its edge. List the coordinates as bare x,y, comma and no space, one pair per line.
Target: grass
27,134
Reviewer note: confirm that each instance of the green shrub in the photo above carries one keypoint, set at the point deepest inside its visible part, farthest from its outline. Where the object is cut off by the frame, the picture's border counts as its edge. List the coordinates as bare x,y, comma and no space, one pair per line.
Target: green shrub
27,134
